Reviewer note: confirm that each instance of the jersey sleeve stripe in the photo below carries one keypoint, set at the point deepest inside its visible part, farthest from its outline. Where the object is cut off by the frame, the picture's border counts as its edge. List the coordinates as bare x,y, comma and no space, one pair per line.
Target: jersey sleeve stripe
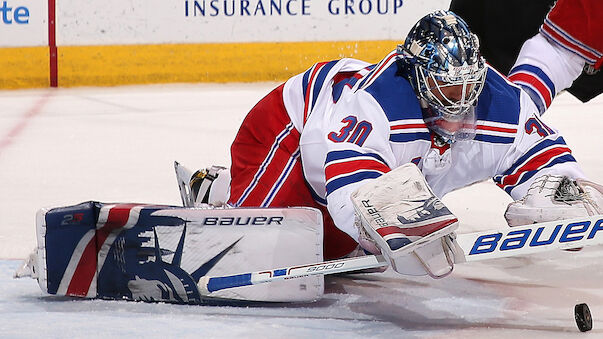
538,82
534,88
346,167
347,154
338,169
320,79
542,146
335,184
306,80
537,73
313,80
307,85
566,41
308,88
537,162
536,97
524,176
545,154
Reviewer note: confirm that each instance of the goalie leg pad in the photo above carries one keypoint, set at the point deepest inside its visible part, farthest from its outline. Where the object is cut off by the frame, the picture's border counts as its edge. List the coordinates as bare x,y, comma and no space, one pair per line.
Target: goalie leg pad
160,253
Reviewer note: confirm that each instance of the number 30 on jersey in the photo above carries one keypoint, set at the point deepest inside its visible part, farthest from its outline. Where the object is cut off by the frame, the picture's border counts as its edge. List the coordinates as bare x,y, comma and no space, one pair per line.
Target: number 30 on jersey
352,131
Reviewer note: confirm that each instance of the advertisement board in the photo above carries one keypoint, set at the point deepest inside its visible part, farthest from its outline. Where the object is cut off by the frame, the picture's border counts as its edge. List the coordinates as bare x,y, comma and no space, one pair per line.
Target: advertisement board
220,21
23,23
116,42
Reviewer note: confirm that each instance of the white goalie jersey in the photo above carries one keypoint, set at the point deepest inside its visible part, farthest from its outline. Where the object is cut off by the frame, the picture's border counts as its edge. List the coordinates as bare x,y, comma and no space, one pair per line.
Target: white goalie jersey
359,121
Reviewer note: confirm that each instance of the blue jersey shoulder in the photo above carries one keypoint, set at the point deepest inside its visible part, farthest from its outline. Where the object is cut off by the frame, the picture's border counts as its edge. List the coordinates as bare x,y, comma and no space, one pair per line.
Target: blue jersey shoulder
395,95
499,100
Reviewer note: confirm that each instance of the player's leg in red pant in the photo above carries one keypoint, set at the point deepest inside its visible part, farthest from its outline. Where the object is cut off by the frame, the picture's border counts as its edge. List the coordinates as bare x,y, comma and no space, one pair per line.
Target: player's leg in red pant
266,168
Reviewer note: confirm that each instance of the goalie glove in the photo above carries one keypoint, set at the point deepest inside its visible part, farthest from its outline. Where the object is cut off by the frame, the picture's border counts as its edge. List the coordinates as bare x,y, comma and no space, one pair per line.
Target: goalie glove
399,214
552,198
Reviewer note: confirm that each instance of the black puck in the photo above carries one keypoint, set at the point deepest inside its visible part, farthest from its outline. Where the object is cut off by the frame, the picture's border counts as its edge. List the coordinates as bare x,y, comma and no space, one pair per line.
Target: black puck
584,320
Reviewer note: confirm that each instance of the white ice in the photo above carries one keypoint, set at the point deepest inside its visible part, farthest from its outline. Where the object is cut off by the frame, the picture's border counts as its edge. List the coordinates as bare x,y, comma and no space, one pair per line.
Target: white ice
64,146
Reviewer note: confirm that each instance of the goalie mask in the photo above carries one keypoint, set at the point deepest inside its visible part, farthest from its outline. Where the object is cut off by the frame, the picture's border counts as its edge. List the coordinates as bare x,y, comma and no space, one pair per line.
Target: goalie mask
447,73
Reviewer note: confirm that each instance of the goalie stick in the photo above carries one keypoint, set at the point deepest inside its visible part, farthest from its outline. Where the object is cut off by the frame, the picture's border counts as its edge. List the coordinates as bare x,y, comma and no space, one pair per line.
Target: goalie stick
516,241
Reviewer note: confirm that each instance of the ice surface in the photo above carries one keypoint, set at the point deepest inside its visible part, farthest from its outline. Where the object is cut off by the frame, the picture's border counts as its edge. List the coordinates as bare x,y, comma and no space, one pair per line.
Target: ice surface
64,146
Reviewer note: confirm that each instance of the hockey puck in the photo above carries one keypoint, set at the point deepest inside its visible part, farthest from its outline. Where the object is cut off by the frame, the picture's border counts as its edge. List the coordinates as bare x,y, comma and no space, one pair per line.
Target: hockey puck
584,320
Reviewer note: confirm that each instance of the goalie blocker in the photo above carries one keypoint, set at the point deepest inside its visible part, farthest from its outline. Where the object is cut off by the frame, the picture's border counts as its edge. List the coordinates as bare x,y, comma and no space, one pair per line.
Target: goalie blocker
407,222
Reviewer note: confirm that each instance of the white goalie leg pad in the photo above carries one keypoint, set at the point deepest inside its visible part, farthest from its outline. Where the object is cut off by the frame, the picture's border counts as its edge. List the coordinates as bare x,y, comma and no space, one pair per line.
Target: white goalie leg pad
552,198
175,243
270,238
407,222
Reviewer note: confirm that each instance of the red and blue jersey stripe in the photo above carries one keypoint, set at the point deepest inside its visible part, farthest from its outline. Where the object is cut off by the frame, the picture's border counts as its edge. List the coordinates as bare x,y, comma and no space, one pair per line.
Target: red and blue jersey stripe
377,70
408,130
347,167
312,82
536,83
495,132
565,40
545,154
347,79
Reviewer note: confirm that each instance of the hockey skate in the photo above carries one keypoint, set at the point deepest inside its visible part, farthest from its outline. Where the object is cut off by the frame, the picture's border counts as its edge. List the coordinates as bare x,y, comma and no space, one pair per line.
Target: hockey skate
30,267
198,188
